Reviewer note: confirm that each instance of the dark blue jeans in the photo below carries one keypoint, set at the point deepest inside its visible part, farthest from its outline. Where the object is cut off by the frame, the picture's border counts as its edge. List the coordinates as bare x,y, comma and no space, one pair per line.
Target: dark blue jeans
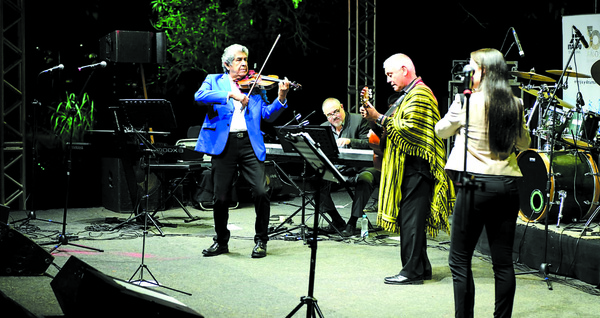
493,203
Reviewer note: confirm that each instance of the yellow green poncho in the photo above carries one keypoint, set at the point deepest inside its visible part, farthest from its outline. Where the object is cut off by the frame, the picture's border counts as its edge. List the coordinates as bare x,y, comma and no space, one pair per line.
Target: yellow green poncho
411,132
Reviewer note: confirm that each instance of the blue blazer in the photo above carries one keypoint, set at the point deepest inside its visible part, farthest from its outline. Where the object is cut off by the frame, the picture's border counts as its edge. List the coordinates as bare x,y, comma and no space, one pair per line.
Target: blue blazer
217,123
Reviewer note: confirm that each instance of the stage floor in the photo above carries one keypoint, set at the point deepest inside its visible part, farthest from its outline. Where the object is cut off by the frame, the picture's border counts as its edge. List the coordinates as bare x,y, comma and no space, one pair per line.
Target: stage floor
348,273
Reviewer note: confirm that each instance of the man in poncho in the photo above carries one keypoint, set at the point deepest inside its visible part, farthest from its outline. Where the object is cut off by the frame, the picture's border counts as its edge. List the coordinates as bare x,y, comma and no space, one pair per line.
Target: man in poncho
416,195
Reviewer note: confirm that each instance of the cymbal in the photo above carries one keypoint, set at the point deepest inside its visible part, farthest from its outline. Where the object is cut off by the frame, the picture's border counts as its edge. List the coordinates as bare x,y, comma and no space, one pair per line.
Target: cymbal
596,72
533,76
568,73
536,92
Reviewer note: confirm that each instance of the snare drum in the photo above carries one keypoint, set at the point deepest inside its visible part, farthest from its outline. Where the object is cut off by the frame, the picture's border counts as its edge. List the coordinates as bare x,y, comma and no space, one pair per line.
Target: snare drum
582,130
574,179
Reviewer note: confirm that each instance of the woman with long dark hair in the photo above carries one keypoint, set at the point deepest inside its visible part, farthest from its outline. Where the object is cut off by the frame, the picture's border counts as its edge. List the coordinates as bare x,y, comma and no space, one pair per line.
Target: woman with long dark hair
496,131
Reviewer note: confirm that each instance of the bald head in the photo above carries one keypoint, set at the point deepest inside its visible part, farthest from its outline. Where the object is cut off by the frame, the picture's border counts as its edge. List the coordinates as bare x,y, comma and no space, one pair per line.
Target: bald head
400,71
334,111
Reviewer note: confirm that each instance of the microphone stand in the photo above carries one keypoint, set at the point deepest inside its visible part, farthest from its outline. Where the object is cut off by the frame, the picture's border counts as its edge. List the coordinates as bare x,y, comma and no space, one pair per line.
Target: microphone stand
34,157
544,266
63,239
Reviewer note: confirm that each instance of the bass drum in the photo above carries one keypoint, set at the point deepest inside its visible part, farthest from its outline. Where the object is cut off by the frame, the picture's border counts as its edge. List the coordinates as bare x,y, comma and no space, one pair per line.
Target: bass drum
574,180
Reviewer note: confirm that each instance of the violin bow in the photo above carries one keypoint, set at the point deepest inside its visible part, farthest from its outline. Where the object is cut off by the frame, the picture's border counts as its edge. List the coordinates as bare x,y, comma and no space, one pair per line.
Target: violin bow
263,66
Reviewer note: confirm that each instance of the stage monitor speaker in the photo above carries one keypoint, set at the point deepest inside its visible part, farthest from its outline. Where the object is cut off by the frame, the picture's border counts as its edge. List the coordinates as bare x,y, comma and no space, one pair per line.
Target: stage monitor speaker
123,46
83,291
21,256
13,308
115,192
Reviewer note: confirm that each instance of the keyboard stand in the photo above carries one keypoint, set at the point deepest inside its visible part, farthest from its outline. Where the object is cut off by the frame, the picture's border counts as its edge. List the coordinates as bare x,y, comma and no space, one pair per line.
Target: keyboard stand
189,167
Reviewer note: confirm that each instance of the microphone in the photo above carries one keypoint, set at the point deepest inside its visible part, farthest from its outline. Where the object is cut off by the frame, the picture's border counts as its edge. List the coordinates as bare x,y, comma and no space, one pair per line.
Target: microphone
296,118
521,53
468,78
583,41
308,116
52,69
304,123
93,66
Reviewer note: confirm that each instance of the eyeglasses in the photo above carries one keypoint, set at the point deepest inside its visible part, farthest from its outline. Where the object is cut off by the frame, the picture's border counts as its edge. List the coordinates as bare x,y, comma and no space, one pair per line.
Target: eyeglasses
333,113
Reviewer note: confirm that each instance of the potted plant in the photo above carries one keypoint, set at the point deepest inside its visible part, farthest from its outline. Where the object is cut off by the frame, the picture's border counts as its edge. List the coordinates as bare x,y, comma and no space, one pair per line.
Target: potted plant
73,117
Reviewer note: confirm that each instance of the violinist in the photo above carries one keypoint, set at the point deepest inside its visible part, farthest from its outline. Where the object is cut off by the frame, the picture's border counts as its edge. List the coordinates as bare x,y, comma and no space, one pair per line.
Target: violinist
231,134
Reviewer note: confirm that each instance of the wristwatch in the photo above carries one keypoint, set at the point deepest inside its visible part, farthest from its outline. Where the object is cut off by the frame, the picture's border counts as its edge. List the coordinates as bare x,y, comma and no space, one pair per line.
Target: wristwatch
380,119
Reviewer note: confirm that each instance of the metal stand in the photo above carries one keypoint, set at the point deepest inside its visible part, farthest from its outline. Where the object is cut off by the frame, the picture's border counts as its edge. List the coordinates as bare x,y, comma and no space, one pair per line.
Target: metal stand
312,307
544,266
143,267
63,239
310,151
280,228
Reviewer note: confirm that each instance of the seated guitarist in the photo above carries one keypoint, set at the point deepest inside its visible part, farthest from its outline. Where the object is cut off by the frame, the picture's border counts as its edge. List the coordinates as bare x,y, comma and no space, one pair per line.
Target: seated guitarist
350,131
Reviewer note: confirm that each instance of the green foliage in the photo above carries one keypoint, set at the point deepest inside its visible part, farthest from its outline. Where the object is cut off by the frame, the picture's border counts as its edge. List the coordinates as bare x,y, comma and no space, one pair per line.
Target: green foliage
72,116
198,31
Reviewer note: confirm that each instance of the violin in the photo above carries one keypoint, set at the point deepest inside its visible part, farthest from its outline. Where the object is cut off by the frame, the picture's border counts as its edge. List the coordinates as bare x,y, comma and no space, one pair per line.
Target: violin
263,82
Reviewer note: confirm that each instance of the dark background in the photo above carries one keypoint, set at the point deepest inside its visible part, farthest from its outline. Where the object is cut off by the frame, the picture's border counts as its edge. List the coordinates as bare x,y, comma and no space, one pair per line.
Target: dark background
432,34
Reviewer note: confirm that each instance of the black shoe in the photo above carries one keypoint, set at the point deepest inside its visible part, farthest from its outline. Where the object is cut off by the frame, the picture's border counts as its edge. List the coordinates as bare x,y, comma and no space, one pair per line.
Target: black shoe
216,249
401,280
350,230
260,250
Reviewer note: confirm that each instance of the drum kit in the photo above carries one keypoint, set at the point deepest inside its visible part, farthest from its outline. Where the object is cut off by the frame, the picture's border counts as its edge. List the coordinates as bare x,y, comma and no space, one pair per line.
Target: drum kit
561,180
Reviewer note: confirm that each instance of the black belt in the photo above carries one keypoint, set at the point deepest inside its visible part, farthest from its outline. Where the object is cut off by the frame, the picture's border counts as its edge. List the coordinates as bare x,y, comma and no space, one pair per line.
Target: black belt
239,134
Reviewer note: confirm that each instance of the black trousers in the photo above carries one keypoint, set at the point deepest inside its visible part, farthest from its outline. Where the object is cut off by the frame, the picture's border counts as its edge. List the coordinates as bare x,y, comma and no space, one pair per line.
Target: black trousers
493,204
415,207
238,154
364,184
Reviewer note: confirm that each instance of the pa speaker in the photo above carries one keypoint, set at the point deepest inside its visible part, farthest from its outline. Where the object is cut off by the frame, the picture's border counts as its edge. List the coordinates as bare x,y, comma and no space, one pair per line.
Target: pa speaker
83,291
21,256
123,46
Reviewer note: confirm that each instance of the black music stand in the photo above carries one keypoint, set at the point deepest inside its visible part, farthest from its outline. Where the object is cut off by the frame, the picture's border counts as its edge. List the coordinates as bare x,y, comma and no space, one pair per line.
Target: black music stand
136,116
146,113
325,170
324,138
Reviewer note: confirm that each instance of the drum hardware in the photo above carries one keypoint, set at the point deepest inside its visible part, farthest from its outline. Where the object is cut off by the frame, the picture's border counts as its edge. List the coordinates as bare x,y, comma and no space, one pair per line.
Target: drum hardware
545,94
562,194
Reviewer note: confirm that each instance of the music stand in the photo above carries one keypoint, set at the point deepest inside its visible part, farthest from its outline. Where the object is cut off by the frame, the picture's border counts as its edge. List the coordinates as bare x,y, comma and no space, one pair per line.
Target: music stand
326,142
312,153
146,113
137,116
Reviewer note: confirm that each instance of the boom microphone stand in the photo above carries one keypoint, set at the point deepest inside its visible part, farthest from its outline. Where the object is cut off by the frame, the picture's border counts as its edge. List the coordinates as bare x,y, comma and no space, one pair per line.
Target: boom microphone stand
545,266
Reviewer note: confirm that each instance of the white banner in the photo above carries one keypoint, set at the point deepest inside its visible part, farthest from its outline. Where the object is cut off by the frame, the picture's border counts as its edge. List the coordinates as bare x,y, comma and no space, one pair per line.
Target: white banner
582,60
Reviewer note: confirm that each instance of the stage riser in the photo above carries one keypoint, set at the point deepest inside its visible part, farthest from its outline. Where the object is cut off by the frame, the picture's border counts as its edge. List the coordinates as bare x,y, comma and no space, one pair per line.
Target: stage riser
567,255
